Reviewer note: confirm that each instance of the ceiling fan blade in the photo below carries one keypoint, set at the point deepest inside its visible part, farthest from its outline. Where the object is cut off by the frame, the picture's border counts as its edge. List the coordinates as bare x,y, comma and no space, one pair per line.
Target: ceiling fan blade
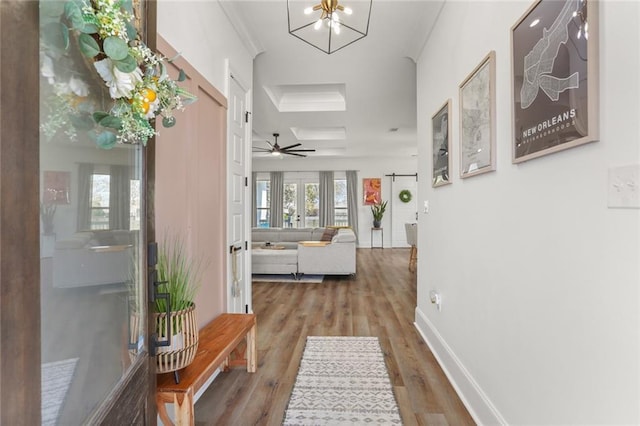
293,153
301,150
258,149
290,146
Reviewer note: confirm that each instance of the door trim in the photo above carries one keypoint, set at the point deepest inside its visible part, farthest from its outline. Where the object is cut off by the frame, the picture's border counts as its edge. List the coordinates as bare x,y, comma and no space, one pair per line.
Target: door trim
20,219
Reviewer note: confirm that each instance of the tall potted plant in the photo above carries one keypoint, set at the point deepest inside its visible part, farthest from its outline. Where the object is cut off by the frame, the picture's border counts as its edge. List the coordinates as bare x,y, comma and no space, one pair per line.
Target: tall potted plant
176,325
377,210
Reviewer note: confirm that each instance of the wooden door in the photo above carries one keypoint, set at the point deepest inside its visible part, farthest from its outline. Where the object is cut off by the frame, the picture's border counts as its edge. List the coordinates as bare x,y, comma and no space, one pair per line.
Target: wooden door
72,352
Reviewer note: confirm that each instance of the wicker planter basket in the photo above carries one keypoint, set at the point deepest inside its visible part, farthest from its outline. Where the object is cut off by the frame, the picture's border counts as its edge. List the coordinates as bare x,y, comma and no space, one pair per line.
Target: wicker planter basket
184,341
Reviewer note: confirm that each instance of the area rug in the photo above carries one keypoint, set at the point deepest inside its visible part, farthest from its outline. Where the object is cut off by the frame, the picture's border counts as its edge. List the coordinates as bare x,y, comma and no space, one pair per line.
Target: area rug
286,278
56,380
342,380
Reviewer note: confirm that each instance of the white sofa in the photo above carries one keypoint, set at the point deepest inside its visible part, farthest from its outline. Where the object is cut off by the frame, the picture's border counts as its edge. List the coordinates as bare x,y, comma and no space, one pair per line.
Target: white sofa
337,256
93,258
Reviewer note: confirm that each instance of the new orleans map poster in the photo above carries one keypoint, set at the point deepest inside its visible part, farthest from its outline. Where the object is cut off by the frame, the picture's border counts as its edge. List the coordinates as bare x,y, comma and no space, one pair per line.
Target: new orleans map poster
554,77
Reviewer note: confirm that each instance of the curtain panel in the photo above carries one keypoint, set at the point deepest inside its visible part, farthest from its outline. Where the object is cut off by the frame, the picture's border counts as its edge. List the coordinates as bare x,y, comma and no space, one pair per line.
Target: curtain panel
352,200
276,208
85,171
254,195
327,201
119,197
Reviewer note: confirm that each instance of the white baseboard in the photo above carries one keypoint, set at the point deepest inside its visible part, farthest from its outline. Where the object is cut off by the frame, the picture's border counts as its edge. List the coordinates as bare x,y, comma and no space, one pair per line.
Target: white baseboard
472,396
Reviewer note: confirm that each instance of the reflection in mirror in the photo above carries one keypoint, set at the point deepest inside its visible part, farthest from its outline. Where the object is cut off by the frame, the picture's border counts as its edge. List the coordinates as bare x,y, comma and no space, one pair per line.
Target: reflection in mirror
91,222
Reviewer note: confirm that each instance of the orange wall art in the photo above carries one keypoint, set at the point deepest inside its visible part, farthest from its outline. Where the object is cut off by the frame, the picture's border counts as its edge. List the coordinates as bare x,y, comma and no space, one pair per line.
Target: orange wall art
371,191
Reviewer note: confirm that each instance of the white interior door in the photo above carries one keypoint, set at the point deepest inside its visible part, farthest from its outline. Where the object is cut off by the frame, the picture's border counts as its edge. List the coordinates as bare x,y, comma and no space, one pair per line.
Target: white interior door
402,212
238,165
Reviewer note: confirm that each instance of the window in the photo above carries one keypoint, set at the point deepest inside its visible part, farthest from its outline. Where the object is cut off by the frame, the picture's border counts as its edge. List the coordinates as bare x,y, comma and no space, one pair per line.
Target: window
311,205
290,209
341,210
263,197
100,192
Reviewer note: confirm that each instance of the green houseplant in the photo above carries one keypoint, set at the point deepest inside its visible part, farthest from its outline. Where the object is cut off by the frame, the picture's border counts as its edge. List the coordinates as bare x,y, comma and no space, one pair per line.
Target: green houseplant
377,210
175,318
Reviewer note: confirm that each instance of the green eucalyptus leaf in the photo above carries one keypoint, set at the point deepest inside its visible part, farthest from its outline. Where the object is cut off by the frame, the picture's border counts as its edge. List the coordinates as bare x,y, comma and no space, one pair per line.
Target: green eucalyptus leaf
131,31
115,48
73,12
168,121
106,140
88,46
127,5
128,64
99,115
182,76
112,122
89,28
56,35
82,121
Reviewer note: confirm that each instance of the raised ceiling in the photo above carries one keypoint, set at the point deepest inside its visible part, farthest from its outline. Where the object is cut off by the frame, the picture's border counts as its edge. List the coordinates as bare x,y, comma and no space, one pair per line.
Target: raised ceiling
357,102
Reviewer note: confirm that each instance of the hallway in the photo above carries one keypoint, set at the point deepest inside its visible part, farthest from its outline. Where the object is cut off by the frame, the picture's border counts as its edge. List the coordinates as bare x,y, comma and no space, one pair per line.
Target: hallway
379,301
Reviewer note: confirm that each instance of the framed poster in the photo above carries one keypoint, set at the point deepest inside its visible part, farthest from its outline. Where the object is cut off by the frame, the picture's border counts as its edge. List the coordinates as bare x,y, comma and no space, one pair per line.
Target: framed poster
56,187
440,130
554,60
477,119
371,191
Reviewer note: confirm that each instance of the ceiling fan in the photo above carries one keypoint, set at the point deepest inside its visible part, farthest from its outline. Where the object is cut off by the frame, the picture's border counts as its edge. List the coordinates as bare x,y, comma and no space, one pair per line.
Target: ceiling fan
278,150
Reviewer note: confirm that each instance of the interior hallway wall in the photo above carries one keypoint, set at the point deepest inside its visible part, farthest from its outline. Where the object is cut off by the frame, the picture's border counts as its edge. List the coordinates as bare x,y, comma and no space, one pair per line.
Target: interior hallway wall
539,278
192,167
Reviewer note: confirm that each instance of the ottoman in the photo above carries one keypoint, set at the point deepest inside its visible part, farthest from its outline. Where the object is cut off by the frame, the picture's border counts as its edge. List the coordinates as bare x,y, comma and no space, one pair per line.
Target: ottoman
274,261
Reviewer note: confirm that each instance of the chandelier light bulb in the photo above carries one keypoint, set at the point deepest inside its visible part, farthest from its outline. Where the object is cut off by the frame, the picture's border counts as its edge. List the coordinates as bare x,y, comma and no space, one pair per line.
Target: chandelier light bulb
308,11
348,10
318,24
336,28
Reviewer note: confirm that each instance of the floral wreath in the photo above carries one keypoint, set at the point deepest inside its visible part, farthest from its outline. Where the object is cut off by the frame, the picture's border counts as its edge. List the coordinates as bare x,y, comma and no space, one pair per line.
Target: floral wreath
405,196
138,82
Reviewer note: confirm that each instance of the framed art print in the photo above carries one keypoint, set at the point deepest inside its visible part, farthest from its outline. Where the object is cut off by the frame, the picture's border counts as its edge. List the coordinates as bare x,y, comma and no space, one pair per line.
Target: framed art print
440,130
56,187
554,60
477,119
371,191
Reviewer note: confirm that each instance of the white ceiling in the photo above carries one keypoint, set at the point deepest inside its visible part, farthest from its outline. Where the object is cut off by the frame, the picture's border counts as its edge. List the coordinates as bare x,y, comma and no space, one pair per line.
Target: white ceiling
375,77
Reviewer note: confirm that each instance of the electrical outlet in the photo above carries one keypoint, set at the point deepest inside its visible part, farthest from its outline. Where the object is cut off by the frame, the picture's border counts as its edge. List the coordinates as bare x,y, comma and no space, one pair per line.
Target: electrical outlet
623,189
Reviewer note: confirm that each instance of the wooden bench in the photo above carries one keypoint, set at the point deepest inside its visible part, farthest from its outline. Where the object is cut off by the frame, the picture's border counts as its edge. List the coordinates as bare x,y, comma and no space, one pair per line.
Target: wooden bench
217,341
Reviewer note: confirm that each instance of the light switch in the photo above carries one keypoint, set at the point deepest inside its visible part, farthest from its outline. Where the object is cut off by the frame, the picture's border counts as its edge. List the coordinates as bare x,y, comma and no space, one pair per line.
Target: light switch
623,190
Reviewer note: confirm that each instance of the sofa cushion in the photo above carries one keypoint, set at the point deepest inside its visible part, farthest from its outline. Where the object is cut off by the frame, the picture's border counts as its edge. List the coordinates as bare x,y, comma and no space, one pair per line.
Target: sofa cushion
344,236
75,241
296,234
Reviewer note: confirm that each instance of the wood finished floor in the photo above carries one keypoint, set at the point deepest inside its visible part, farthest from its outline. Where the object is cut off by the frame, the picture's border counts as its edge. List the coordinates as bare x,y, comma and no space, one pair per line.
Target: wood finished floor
379,301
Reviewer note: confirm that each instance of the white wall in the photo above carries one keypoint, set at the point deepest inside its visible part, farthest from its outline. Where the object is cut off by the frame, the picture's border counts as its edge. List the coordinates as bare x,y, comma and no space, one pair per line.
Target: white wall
539,279
189,26
367,168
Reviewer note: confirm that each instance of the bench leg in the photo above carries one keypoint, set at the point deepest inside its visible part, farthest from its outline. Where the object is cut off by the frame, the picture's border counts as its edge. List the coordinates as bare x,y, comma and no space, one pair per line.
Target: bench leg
182,405
252,355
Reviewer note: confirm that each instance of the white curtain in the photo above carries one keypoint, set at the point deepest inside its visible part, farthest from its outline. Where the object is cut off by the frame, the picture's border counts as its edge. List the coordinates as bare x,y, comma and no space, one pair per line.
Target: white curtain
254,195
277,199
84,196
119,197
327,203
352,200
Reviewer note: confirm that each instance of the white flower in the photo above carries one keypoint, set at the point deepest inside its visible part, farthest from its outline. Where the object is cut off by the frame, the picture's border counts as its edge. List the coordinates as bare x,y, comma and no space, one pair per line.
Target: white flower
47,69
120,84
78,86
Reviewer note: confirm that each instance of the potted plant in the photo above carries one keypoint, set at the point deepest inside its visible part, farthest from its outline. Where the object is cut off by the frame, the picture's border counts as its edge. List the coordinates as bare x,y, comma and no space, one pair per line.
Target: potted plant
176,325
377,210
47,211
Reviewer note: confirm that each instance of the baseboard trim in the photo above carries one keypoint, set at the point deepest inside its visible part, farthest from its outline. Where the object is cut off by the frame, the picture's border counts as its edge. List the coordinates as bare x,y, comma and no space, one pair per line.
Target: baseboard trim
473,397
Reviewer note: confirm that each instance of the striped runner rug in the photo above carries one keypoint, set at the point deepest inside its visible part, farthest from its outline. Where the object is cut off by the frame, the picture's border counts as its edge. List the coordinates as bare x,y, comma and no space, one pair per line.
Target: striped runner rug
342,381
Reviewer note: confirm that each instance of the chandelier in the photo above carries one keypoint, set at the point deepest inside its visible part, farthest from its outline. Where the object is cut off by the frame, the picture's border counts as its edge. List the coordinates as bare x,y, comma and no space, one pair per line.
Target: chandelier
329,26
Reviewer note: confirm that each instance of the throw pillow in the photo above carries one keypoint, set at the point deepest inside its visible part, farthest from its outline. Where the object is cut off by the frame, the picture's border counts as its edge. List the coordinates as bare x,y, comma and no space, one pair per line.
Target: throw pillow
328,234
